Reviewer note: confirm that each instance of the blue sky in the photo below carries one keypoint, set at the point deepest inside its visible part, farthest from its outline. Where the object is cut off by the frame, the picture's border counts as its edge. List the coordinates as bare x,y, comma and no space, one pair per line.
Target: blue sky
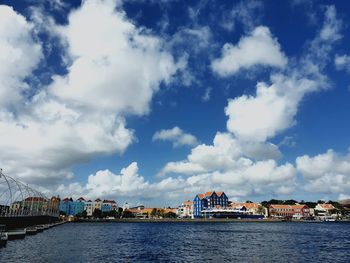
154,101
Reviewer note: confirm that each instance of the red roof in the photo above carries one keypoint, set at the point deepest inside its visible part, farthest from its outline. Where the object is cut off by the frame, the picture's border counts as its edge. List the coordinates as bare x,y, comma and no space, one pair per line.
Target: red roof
35,199
81,199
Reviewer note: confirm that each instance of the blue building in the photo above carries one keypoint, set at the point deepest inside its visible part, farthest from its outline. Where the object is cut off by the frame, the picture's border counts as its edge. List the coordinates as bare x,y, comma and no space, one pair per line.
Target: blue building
108,205
208,200
72,208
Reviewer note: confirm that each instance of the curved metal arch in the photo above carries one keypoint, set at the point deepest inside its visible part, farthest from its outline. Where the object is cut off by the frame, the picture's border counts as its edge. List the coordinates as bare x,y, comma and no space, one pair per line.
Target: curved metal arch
21,199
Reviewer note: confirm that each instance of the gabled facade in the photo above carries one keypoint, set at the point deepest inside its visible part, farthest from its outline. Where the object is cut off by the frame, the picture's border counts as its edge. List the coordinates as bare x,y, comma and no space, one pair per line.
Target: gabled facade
208,200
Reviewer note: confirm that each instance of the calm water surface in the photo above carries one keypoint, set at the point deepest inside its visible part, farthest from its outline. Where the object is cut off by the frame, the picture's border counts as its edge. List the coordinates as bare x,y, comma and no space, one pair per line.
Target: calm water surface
184,242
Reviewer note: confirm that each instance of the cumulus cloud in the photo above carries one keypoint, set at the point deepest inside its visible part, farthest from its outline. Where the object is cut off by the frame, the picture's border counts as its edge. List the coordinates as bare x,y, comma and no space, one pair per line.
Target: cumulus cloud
328,172
271,110
175,135
242,158
20,54
83,112
230,163
259,48
126,184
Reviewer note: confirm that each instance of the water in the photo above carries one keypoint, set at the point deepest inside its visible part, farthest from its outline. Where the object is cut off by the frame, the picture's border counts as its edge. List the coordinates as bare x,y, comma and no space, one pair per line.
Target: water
184,242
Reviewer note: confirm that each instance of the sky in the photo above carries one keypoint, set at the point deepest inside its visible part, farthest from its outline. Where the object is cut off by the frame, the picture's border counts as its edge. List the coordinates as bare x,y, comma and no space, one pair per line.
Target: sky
151,102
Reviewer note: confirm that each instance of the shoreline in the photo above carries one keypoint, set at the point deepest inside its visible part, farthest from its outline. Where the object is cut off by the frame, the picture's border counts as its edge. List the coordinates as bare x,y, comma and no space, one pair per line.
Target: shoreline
198,220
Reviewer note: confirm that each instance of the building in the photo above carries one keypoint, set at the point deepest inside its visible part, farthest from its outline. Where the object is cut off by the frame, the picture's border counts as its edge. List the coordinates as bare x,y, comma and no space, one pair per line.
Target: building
289,211
72,208
185,210
326,210
109,205
252,208
89,207
208,200
97,204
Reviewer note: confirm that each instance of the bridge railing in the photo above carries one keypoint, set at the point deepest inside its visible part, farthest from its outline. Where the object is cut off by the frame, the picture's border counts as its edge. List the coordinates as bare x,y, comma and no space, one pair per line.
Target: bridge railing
18,199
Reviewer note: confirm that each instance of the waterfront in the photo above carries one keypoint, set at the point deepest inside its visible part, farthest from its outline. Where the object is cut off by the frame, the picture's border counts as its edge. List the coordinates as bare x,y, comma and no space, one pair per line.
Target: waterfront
184,242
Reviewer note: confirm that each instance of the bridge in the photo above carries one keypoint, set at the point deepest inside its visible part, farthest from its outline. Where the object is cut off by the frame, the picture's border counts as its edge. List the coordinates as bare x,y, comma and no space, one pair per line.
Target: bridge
22,206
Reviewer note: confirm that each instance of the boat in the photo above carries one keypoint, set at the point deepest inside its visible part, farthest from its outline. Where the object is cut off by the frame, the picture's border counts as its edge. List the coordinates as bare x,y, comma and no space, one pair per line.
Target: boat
3,236
32,230
18,233
330,219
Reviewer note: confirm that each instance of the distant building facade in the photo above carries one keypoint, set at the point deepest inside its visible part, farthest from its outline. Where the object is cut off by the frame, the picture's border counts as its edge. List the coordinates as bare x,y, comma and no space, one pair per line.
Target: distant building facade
208,200
73,208
185,210
289,211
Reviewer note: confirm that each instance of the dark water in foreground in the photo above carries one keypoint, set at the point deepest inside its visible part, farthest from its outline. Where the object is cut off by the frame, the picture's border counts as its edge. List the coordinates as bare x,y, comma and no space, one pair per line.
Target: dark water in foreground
184,242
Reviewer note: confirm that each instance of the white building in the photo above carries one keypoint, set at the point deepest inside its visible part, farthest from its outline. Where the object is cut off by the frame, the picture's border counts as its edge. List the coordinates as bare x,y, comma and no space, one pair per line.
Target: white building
185,210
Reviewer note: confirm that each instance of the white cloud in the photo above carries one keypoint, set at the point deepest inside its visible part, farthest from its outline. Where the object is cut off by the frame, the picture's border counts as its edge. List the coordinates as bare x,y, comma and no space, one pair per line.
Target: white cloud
259,48
232,164
116,59
331,26
19,56
248,13
271,110
175,135
342,62
83,113
326,173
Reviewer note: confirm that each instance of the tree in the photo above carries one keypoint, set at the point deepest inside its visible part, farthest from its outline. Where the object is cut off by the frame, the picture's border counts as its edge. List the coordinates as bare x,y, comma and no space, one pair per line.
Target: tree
128,214
154,212
169,215
290,202
97,213
260,210
84,214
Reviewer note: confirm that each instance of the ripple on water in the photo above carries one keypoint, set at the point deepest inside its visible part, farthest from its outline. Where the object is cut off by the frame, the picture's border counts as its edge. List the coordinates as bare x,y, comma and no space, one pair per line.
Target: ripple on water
184,242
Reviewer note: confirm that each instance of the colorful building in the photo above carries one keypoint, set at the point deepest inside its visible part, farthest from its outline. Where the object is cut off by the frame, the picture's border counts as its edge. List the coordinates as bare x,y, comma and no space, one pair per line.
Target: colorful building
208,200
289,211
109,205
253,208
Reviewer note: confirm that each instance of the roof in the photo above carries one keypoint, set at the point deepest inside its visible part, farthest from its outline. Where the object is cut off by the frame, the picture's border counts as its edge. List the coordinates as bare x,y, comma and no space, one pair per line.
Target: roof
66,199
201,196
288,206
109,201
98,200
327,206
247,205
208,194
188,202
35,199
80,199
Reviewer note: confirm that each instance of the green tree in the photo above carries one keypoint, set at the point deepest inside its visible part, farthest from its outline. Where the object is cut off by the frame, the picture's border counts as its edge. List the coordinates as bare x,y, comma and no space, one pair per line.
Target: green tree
97,213
260,210
169,215
154,212
127,214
